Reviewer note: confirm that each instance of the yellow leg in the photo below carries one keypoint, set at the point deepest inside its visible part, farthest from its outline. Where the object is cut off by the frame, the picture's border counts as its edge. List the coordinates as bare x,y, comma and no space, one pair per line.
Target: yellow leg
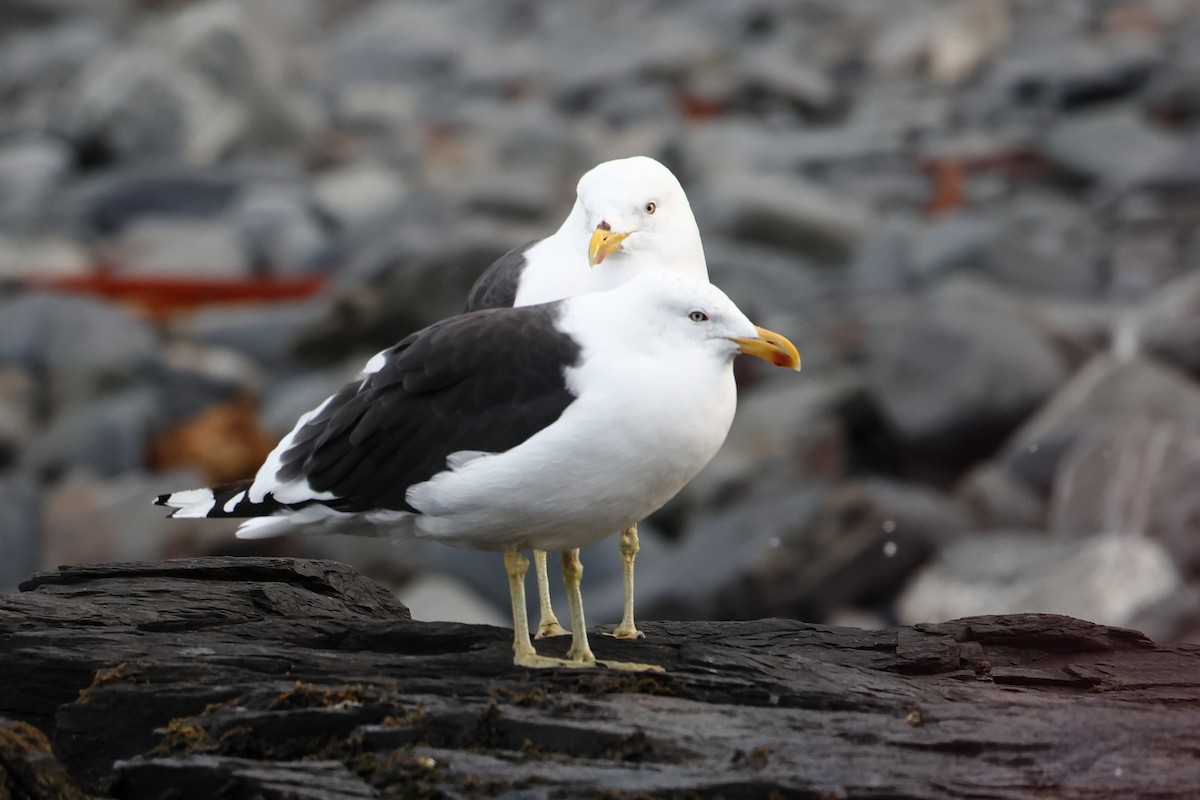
572,569
629,549
549,625
580,650
523,653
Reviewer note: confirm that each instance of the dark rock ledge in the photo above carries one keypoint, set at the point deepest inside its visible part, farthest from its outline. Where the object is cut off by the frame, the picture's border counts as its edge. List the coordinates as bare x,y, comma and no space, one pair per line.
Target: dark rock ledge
278,678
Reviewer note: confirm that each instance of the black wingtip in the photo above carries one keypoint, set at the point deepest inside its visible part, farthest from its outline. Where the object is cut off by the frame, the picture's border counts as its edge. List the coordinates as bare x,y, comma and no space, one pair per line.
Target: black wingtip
162,499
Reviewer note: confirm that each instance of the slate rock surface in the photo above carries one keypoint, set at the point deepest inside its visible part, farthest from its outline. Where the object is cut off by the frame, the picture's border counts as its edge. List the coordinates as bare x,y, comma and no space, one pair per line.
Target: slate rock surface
290,678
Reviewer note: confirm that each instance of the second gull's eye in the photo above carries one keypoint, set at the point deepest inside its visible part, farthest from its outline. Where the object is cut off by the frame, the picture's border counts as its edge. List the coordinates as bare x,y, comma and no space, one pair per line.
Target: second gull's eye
651,207
698,316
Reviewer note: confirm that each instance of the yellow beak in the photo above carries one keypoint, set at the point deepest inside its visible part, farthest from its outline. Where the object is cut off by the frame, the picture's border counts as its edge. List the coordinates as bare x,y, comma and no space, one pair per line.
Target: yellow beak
604,243
770,346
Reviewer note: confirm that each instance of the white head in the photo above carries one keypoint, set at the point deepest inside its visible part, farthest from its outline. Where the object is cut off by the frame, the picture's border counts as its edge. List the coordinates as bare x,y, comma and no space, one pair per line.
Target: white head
678,311
632,213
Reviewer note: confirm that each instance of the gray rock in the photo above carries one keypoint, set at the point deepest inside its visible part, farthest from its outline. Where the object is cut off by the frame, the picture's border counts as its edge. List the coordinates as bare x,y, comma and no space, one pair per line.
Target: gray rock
107,437
284,401
1062,70
87,520
109,203
953,242
1167,326
18,413
1108,579
86,346
1047,246
781,211
949,42
1085,144
268,334
19,512
31,169
434,597
1135,476
997,499
354,194
279,230
803,553
964,361
42,257
1104,392
178,248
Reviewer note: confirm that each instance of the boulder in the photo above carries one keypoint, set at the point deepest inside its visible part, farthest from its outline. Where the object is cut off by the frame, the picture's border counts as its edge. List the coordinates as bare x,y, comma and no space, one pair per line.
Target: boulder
1110,577
958,368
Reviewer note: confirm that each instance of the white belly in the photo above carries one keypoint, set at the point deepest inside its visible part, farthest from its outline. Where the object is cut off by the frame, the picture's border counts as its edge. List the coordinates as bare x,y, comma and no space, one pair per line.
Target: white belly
609,461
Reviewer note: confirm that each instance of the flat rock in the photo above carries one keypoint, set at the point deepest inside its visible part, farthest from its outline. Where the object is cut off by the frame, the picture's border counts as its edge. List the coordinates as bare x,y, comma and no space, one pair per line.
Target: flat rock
962,364
1112,577
1105,390
302,679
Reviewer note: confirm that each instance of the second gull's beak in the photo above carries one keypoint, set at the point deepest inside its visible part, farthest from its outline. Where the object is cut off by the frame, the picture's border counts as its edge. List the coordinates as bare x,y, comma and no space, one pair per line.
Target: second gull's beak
770,346
604,243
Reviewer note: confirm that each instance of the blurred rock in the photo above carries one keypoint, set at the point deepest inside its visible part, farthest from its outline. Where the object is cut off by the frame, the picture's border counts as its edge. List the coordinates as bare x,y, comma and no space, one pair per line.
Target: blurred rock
1046,246
779,211
182,249
287,399
996,499
31,169
434,597
109,203
19,540
84,345
1136,476
223,442
803,553
1104,392
1071,72
353,194
1085,143
268,334
18,413
1108,579
783,434
1167,326
41,258
949,41
86,521
958,367
107,436
279,230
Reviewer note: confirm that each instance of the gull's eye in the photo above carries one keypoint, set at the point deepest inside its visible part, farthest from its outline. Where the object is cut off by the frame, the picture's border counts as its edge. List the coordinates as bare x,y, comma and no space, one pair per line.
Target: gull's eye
651,207
698,316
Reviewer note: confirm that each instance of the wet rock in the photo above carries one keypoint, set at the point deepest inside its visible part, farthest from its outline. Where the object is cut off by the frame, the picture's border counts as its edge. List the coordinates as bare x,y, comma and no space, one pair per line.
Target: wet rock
1133,475
20,509
963,364
1110,577
1104,392
85,346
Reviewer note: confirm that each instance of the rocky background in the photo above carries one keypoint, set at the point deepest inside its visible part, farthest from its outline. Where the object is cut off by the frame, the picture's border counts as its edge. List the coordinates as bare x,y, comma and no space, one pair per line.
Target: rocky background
977,219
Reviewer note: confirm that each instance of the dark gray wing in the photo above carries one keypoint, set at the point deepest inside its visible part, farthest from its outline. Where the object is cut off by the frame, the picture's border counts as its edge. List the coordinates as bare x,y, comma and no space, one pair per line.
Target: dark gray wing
497,286
483,381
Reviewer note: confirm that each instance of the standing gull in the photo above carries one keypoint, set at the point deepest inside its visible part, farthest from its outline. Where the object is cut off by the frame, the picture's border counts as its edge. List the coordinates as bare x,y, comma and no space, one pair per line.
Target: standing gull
542,427
630,216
